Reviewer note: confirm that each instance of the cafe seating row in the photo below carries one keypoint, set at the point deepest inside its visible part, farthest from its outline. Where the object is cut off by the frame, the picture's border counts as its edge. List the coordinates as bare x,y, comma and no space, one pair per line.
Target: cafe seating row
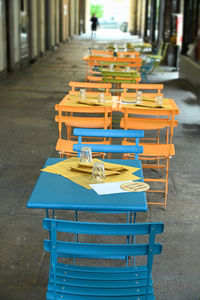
157,150
75,240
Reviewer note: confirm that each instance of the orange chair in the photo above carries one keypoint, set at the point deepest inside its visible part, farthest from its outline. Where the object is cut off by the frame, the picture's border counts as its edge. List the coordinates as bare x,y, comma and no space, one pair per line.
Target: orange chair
91,88
82,117
159,149
149,90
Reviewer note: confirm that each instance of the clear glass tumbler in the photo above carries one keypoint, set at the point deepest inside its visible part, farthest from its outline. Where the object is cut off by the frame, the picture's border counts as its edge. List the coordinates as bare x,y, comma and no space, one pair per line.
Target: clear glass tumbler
82,94
101,98
86,155
98,172
139,96
159,100
111,67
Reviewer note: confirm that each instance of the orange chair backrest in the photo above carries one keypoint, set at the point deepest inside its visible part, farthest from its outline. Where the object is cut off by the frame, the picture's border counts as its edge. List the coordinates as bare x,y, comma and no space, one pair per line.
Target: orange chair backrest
90,87
66,113
148,123
93,79
128,54
102,53
100,79
99,63
150,90
116,59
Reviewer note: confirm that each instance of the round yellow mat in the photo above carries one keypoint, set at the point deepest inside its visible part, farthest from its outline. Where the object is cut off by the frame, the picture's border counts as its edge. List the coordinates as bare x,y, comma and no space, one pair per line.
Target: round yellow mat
135,186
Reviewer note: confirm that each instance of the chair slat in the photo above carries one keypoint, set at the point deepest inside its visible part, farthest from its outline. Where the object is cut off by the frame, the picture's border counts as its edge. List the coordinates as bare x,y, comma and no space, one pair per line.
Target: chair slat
109,148
101,250
50,296
90,291
117,133
103,228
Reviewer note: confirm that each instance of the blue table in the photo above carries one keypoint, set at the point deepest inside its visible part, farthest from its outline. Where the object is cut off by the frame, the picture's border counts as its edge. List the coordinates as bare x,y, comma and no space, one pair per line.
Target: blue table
56,192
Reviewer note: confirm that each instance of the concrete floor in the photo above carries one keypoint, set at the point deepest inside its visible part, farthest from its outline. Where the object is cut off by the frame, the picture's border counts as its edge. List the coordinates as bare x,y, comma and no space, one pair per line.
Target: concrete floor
28,135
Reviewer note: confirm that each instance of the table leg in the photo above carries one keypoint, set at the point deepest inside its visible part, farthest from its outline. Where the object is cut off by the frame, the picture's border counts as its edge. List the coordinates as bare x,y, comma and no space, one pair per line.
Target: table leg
47,213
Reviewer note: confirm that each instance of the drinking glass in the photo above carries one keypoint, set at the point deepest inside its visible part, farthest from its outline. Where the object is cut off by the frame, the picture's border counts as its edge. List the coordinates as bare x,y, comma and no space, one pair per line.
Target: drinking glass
111,67
86,155
159,100
139,96
98,172
101,98
82,94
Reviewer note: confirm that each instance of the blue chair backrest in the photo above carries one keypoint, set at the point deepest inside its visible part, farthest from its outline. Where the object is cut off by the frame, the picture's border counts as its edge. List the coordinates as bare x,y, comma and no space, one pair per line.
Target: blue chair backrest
62,248
109,133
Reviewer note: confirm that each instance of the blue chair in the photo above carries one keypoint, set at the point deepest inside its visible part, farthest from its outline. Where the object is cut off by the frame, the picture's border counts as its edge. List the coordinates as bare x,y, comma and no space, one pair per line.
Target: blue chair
109,133
104,148
145,70
83,282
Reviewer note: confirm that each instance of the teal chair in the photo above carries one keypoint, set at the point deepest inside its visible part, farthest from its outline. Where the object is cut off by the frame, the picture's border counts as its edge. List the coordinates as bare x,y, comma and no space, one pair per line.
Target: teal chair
83,282
145,70
110,133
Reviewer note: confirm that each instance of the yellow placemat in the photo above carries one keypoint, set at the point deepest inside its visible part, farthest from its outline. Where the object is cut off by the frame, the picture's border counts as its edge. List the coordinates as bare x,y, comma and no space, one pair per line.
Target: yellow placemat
147,103
63,168
74,100
90,96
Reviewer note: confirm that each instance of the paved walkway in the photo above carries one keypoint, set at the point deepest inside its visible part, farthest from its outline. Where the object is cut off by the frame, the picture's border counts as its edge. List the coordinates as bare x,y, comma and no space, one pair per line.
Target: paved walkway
28,135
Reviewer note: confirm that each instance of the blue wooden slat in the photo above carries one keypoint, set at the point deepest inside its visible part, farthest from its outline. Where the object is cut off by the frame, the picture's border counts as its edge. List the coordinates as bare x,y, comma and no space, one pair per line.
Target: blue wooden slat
100,291
62,296
104,228
139,274
117,133
101,250
104,283
108,270
109,148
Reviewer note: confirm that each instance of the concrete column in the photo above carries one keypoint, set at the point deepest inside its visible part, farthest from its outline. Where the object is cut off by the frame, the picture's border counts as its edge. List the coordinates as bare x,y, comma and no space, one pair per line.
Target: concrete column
66,19
3,58
50,24
133,17
72,16
161,21
41,27
16,30
64,22
77,18
138,15
87,15
143,14
52,16
33,29
82,16
57,26
14,35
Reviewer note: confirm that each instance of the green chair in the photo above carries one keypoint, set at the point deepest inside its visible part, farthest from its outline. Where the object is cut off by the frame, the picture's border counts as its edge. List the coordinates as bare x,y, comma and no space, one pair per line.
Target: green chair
158,58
